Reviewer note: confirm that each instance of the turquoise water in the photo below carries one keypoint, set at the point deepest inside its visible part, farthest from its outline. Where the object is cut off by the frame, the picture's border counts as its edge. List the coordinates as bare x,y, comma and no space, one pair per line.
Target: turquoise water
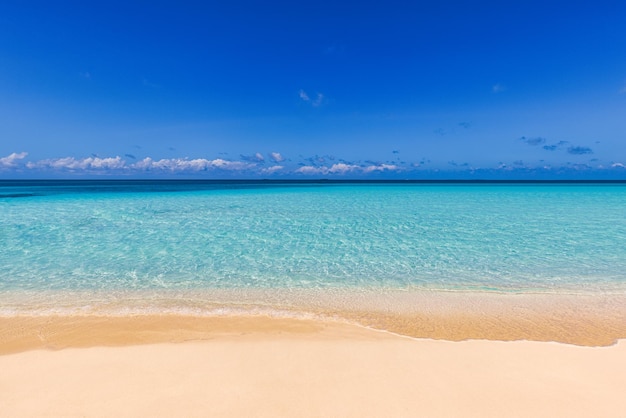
148,236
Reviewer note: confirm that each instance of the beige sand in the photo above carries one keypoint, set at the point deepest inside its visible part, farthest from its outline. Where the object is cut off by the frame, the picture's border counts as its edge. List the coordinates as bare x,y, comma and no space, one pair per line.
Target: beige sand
269,367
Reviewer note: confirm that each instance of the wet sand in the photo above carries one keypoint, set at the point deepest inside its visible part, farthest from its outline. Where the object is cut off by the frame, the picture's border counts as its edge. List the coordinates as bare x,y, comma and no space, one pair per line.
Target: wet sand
589,320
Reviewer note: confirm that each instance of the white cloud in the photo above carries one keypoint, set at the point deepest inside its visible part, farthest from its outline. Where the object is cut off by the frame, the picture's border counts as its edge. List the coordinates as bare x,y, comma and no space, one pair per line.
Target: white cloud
276,157
185,164
230,165
11,159
147,164
339,168
342,168
319,98
71,163
273,169
107,163
380,167
143,164
309,169
253,165
304,96
618,165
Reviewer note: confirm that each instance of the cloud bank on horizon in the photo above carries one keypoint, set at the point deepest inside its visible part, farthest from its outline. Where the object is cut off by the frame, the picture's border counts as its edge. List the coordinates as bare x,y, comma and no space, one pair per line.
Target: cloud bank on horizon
251,89
16,165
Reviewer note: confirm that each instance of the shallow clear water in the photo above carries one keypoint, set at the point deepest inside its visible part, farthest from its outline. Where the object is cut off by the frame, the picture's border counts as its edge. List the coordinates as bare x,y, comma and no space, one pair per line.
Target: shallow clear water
153,236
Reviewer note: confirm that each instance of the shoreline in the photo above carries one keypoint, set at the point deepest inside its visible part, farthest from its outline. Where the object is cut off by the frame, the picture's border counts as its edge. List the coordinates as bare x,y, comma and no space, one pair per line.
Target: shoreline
585,320
27,333
284,367
402,354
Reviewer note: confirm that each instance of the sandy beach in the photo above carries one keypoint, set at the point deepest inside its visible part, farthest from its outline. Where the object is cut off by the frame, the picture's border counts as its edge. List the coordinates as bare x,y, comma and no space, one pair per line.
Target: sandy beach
259,366
345,209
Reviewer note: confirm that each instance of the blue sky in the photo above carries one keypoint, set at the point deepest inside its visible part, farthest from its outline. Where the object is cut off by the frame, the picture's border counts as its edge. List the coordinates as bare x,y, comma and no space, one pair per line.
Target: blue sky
262,89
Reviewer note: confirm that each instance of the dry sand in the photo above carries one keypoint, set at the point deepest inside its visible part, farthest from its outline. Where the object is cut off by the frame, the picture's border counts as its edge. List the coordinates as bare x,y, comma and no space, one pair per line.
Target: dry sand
254,367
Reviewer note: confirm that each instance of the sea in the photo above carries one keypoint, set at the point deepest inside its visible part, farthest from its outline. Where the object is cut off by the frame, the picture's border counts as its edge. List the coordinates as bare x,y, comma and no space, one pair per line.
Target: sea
218,247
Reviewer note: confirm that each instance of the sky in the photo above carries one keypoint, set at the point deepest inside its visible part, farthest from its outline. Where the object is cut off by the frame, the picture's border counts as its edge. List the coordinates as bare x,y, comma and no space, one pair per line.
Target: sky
302,89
